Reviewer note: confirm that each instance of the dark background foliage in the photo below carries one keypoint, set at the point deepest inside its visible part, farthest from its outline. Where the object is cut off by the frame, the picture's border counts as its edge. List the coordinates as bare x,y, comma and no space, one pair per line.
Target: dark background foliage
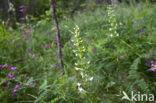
117,64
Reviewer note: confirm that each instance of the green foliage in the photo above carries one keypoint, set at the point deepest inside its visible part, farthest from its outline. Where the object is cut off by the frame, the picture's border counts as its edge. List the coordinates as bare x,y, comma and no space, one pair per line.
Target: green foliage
136,78
117,64
4,34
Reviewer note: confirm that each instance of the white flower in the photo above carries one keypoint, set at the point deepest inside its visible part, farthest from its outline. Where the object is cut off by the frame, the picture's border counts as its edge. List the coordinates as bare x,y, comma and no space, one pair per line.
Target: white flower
82,75
77,27
76,44
80,89
3,22
76,36
86,75
111,35
88,62
117,34
75,63
77,68
110,29
91,78
78,84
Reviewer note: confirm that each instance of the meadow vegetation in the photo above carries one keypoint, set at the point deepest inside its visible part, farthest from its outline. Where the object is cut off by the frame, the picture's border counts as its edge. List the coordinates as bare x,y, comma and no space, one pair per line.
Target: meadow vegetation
106,50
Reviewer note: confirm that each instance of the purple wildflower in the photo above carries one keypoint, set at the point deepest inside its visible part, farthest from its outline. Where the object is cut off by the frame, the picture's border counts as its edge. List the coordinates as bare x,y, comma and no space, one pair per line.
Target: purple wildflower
21,7
6,88
71,47
10,76
54,65
121,57
94,50
152,65
146,64
151,52
138,7
138,4
153,69
29,52
44,45
54,40
21,10
32,84
27,30
57,55
152,62
13,68
23,32
29,84
73,79
70,41
22,36
3,66
33,57
49,46
29,36
9,41
89,42
140,21
17,85
47,32
8,83
15,89
147,57
142,31
21,19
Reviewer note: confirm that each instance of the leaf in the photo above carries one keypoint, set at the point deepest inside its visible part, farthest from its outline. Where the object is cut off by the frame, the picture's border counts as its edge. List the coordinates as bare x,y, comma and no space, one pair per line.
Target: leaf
110,84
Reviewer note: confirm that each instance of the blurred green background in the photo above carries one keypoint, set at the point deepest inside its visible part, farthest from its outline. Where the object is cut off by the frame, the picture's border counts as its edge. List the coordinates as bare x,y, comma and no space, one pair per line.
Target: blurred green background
123,63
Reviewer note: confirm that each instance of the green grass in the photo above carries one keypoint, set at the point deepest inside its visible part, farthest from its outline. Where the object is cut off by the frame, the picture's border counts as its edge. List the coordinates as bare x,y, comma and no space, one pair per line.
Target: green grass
112,75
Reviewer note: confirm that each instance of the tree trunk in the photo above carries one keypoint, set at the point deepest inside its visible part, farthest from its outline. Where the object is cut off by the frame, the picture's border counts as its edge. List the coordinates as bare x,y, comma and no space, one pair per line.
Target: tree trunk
4,7
6,14
57,34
